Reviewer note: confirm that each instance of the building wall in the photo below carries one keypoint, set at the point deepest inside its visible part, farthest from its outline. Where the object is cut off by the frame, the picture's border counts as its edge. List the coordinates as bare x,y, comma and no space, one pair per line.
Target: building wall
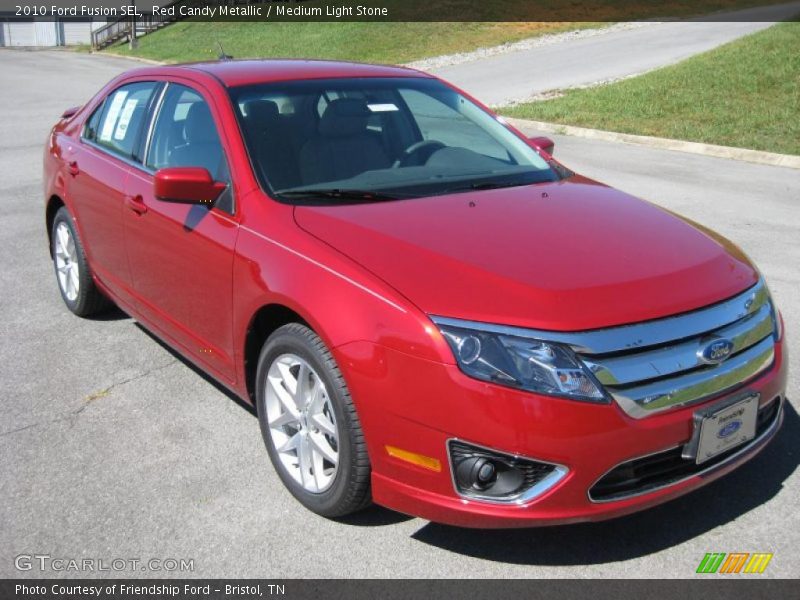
45,33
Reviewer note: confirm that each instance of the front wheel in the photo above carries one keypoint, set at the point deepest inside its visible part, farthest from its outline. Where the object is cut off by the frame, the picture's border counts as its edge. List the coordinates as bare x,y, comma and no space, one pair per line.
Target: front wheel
310,425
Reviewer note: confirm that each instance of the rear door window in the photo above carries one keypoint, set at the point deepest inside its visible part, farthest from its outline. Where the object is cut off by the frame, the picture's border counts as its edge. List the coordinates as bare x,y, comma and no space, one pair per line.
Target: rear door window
119,124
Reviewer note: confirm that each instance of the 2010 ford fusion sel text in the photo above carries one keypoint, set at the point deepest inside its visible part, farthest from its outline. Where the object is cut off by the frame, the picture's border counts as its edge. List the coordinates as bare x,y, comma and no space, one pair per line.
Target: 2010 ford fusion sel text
427,310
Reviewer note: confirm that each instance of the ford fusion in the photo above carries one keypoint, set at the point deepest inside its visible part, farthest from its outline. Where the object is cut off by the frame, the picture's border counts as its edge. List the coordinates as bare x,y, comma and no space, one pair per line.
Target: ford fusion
427,310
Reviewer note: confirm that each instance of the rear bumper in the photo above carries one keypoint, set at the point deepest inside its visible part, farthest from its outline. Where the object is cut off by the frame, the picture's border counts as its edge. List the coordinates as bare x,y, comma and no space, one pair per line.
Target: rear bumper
417,405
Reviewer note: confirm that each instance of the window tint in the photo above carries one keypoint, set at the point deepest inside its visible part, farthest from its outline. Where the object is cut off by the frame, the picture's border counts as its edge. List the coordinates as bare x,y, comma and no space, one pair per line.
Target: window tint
90,127
184,135
369,135
438,121
117,124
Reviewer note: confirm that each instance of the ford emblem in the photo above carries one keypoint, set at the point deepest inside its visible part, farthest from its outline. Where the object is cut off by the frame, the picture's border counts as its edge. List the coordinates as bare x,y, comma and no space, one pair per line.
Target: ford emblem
715,351
729,429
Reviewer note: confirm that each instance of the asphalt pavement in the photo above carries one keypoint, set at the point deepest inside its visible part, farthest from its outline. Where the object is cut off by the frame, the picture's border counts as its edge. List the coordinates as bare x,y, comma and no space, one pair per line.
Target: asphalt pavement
516,76
113,448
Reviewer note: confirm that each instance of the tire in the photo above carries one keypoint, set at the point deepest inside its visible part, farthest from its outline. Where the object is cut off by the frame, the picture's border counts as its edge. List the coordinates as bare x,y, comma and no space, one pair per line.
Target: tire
299,441
73,275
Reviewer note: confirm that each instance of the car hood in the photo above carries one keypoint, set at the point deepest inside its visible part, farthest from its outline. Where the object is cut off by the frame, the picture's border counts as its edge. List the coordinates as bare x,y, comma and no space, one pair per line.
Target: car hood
565,256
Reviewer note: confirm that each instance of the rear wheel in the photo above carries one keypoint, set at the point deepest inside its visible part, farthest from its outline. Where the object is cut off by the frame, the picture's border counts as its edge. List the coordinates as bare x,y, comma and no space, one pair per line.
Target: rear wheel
309,423
75,282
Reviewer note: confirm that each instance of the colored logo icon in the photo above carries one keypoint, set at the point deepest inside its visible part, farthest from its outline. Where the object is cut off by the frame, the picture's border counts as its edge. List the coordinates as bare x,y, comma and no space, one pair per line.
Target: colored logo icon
734,562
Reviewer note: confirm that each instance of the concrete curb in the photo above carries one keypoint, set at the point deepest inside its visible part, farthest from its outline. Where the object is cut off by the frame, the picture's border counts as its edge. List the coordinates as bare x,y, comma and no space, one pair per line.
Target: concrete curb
743,154
147,61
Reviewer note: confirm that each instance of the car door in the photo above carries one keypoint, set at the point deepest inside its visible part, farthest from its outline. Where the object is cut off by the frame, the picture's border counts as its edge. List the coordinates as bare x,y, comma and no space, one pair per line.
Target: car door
181,255
99,167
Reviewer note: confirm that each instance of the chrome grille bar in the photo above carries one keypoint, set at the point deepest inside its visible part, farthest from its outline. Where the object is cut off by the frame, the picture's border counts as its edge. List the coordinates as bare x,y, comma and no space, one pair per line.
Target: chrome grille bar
665,361
695,386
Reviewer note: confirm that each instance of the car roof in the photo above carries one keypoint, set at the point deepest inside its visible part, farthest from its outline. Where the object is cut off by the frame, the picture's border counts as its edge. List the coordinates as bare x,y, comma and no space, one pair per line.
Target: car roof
234,73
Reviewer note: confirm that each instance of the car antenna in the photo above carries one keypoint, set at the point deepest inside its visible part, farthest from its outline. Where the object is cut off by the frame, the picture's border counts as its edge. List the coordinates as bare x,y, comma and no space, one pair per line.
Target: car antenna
222,55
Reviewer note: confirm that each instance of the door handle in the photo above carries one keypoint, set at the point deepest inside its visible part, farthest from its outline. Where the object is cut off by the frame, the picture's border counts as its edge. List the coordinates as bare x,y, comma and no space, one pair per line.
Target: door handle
72,166
136,204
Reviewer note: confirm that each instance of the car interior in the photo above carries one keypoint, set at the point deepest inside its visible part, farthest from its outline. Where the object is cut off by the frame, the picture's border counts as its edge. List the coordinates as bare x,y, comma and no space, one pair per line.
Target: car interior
340,138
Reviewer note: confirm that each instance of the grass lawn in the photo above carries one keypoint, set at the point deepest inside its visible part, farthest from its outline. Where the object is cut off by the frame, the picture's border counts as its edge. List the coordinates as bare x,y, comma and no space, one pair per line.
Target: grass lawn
400,42
397,42
745,94
393,43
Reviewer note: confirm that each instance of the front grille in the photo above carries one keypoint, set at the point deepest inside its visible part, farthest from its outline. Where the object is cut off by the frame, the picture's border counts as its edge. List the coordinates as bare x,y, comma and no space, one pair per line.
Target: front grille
658,365
665,468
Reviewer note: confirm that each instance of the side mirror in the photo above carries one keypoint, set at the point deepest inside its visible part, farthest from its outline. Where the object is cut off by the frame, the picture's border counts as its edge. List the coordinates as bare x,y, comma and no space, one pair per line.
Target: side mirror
543,143
189,185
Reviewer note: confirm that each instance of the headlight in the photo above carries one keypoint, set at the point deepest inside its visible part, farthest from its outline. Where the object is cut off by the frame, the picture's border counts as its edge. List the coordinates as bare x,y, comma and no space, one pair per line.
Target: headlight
519,362
776,315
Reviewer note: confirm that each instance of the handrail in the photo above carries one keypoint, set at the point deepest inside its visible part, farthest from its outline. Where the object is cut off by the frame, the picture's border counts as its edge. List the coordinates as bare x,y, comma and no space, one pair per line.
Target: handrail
121,27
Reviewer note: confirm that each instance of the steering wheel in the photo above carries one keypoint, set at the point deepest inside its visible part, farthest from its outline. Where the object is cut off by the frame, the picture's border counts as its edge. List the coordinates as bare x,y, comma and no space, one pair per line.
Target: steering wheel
418,153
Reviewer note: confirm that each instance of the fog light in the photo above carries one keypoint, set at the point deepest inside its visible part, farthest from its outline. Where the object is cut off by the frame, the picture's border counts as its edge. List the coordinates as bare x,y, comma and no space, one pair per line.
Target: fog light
487,474
476,473
484,474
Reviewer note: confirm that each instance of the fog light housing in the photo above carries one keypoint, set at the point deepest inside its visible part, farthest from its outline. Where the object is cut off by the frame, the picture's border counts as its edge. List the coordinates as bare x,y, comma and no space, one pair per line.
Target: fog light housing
484,474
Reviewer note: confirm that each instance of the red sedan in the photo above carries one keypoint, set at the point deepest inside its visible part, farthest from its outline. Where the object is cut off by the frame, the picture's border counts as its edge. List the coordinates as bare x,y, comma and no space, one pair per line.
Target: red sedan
426,309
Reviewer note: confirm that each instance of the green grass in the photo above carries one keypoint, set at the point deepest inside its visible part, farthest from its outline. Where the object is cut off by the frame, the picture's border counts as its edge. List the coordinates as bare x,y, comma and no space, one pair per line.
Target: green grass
400,42
368,42
744,94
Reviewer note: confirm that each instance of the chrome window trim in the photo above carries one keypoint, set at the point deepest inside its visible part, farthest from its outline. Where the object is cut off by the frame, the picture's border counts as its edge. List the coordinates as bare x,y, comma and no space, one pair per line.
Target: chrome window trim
520,500
152,124
637,335
754,445
128,161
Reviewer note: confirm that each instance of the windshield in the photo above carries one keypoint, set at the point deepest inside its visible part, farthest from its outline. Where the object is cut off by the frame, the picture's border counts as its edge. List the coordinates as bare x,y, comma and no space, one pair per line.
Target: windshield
371,139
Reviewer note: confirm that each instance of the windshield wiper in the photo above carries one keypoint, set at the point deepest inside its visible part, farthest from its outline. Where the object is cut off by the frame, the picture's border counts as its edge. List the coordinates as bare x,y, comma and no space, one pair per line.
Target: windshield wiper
487,185
339,194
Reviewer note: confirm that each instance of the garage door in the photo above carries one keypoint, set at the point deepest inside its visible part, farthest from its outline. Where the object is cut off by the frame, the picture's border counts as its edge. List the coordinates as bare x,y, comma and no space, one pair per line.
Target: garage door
30,33
21,34
46,33
76,32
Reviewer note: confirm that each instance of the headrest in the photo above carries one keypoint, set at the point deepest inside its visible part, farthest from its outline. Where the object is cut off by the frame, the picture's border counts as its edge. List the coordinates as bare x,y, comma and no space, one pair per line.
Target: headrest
199,125
261,113
344,117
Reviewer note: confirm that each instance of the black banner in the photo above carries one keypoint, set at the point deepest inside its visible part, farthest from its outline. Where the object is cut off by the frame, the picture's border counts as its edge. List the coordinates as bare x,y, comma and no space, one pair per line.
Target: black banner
713,588
395,10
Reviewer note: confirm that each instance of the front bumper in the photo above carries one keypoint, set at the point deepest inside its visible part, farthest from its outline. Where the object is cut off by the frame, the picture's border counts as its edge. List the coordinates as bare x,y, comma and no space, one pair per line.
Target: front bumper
417,405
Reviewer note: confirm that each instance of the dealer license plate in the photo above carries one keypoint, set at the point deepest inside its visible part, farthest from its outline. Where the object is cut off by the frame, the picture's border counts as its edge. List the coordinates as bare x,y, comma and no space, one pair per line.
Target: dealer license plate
727,428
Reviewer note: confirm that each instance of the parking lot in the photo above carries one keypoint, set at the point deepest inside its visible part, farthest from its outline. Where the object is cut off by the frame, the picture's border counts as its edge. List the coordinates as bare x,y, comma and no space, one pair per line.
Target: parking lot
113,447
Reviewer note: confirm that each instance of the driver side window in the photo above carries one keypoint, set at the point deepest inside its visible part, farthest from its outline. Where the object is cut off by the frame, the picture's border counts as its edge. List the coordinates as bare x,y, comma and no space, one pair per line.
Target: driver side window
438,121
185,135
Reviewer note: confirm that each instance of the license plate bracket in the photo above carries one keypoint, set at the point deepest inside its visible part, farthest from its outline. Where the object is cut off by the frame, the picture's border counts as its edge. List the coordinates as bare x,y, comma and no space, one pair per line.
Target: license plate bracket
720,428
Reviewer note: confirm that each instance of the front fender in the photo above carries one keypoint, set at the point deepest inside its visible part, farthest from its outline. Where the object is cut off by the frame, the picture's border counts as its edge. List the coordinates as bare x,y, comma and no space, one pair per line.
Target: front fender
278,263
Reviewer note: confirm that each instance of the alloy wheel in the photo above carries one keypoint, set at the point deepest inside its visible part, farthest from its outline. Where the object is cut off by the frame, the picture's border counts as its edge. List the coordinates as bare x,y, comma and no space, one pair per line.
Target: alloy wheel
302,423
67,265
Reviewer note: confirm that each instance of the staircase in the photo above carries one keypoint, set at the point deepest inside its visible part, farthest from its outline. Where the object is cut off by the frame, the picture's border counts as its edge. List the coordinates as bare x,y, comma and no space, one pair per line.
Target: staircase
120,30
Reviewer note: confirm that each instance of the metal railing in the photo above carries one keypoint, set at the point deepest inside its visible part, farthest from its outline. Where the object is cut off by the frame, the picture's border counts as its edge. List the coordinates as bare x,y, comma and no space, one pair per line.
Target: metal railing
124,28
